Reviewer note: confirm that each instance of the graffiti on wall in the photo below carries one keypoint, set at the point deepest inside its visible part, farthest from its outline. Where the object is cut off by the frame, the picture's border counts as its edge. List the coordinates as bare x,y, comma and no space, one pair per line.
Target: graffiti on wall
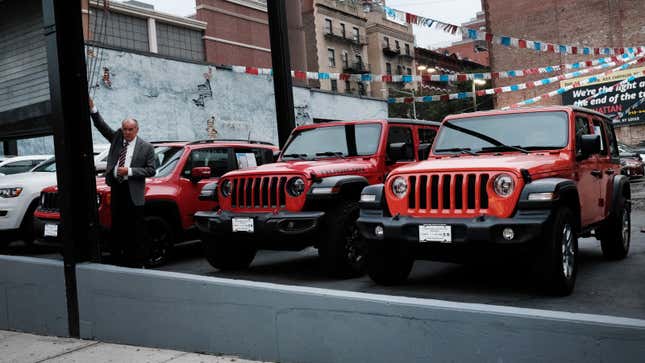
302,115
106,77
210,128
204,90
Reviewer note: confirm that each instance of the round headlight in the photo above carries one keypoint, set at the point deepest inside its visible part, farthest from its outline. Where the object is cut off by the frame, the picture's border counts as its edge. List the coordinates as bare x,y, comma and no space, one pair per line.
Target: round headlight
400,187
226,188
295,187
504,185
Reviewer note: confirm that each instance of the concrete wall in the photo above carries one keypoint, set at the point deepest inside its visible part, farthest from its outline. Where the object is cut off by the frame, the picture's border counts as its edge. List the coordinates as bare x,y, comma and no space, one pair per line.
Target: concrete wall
174,100
32,296
298,324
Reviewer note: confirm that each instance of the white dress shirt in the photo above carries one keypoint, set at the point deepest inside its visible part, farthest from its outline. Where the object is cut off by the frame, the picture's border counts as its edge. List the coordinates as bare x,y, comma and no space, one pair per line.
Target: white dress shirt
128,159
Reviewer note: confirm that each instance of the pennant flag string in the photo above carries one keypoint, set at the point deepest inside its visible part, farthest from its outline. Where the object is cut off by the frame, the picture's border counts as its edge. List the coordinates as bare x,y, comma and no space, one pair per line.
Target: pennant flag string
518,87
459,77
506,41
583,82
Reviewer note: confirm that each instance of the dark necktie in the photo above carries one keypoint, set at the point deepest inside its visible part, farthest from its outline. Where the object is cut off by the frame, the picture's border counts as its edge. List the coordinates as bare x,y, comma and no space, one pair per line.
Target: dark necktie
122,154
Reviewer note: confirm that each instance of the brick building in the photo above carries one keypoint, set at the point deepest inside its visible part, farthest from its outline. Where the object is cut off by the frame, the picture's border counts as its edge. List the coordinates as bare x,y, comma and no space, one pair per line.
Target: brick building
468,49
592,23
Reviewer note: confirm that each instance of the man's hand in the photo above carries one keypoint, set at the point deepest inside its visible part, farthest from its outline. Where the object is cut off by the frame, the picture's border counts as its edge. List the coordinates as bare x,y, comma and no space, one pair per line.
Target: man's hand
122,171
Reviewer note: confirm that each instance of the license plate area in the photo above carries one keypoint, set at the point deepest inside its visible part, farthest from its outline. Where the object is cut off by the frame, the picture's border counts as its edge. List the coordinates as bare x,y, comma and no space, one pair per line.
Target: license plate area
51,230
243,225
435,233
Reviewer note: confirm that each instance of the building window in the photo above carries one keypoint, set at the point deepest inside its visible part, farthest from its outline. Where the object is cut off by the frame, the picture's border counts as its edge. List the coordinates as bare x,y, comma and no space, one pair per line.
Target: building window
409,71
399,70
119,30
331,55
359,60
386,42
388,68
356,35
180,42
334,85
397,45
361,89
345,59
348,88
342,30
407,49
328,26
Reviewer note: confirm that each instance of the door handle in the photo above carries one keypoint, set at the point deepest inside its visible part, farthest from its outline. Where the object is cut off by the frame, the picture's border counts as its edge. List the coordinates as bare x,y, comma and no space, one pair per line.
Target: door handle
596,173
609,171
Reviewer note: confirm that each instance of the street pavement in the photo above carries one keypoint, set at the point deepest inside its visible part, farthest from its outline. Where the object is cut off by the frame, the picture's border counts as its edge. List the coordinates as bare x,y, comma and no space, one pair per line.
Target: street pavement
603,287
28,348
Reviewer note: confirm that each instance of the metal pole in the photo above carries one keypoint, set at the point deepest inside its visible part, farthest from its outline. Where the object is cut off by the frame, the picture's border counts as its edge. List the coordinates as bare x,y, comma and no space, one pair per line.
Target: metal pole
282,82
69,116
474,97
414,105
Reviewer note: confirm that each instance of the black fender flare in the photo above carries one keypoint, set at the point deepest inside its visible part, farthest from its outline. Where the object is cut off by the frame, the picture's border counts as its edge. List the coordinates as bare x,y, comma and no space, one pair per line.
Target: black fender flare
565,192
166,208
378,199
334,186
620,186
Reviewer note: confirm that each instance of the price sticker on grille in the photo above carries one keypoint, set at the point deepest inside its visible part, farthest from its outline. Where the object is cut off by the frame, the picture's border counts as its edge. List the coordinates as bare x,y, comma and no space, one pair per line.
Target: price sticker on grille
243,225
435,233
51,230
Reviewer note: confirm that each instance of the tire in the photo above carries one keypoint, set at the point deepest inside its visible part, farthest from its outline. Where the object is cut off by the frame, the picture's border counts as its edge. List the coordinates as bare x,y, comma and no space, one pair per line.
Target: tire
160,239
387,264
556,266
615,236
226,255
342,249
26,232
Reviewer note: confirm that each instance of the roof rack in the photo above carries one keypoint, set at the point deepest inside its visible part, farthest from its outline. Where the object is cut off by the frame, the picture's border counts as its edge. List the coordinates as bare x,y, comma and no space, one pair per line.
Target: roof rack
230,140
167,141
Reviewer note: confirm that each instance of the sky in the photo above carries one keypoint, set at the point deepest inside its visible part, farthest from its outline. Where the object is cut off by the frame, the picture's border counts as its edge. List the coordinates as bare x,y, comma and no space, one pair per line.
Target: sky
449,11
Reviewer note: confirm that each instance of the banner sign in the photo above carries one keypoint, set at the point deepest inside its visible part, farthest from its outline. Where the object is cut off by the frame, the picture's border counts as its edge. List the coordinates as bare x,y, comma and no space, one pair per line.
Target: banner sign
616,102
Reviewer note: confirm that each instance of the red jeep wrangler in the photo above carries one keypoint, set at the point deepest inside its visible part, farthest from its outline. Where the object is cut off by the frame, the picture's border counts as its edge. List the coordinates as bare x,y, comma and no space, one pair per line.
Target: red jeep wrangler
310,197
530,180
183,168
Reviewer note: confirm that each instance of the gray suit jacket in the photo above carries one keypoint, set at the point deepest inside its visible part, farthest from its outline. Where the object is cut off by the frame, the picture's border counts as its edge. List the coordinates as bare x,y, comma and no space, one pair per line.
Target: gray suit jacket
142,164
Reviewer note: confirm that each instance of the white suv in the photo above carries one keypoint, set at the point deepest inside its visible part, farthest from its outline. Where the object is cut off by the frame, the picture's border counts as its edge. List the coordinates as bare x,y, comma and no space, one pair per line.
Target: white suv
19,195
21,164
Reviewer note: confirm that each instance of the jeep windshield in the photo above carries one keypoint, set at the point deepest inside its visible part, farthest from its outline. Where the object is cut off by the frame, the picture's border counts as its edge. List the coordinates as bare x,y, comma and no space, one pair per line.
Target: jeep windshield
510,132
166,159
334,142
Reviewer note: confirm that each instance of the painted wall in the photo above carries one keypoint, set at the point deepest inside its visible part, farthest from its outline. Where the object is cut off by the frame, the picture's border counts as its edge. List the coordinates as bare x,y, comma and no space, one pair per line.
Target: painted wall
175,100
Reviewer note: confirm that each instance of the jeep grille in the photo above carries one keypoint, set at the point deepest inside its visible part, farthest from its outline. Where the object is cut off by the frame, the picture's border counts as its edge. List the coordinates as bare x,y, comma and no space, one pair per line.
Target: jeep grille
258,192
49,201
443,192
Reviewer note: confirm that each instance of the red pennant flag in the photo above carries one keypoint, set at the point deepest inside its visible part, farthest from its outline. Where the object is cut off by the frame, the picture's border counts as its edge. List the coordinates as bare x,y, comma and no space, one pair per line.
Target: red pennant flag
252,70
596,51
300,75
489,37
387,78
444,97
589,63
498,90
530,85
481,92
344,77
426,78
408,100
495,75
550,48
462,77
574,50
521,43
546,96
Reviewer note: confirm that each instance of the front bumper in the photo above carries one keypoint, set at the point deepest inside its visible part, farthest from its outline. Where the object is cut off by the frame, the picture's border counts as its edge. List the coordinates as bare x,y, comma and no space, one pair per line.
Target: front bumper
467,234
269,226
39,231
12,211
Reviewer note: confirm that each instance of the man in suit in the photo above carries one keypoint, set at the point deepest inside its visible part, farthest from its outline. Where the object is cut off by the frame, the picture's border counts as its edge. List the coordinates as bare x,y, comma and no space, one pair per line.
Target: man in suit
130,161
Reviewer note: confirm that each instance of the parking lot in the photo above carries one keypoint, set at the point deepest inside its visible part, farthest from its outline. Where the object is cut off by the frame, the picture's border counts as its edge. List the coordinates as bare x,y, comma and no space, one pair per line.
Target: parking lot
603,287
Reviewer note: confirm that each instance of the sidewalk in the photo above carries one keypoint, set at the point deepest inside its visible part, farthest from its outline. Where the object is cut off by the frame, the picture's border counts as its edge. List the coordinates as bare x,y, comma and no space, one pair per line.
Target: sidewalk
28,348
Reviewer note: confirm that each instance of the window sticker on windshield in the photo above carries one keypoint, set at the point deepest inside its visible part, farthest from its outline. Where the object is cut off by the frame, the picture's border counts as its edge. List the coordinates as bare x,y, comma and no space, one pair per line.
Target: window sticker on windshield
246,160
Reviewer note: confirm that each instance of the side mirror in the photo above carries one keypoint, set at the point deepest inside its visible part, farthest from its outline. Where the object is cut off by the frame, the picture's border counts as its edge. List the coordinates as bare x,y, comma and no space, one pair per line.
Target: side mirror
399,151
199,173
589,145
424,151
276,155
208,192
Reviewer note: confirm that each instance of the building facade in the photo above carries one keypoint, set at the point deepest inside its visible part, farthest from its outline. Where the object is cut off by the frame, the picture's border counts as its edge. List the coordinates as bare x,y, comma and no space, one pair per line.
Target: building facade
469,49
391,51
570,22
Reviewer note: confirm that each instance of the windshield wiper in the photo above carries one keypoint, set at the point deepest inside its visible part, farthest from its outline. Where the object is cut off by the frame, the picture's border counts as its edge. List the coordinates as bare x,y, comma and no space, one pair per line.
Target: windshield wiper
332,153
298,156
497,144
504,147
461,150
